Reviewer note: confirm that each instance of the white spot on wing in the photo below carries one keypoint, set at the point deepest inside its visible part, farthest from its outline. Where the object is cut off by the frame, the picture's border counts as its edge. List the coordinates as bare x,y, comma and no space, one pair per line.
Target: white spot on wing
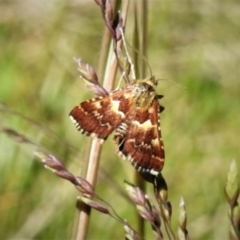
155,142
147,124
72,119
115,107
120,154
153,172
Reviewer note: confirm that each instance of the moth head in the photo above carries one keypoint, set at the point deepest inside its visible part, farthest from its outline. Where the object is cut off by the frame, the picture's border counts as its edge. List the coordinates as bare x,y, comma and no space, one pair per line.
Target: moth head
152,81
146,85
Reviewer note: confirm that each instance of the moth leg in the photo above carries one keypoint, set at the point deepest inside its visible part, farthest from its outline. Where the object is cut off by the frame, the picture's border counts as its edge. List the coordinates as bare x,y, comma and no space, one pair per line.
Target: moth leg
120,134
158,96
161,108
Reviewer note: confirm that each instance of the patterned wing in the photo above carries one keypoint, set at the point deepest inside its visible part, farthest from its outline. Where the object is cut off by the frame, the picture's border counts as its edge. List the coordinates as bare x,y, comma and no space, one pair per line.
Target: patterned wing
100,116
140,140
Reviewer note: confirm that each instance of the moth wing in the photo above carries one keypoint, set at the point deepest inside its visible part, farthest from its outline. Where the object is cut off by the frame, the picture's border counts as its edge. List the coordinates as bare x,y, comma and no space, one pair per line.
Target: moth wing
100,116
141,143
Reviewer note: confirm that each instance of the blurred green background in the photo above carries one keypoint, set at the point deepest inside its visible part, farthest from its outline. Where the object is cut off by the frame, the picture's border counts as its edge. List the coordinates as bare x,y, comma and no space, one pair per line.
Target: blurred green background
195,44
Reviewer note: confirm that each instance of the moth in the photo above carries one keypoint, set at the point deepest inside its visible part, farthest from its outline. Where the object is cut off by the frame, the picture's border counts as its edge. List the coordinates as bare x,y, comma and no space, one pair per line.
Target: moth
133,114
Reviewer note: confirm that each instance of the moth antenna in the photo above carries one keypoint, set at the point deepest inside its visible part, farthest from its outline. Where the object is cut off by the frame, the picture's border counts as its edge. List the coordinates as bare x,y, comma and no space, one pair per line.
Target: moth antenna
119,82
128,55
177,84
143,57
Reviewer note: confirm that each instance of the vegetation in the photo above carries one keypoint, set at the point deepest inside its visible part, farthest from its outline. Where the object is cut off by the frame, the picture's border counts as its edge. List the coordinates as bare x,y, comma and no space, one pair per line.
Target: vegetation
194,44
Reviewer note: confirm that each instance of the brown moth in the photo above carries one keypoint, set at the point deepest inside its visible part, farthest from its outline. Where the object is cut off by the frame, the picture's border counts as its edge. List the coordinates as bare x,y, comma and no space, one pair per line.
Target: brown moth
133,112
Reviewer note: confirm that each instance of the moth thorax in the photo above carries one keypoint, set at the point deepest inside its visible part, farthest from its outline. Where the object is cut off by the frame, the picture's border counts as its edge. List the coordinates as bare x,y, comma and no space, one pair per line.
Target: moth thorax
143,95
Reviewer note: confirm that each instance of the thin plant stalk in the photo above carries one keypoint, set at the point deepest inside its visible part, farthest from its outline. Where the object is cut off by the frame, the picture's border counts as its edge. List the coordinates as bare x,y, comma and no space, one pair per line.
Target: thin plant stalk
96,146
140,44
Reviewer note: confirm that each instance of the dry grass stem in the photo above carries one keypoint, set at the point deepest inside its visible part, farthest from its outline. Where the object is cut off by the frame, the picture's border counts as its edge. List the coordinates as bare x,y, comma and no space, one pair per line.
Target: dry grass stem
95,151
141,45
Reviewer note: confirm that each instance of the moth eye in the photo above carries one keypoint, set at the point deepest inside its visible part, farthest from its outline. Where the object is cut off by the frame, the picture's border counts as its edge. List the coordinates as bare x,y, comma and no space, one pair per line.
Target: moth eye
150,89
